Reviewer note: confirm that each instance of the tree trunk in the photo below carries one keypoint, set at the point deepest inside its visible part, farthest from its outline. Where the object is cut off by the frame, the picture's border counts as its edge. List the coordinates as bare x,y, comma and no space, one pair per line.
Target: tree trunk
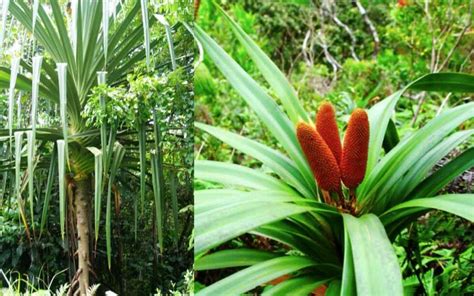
82,200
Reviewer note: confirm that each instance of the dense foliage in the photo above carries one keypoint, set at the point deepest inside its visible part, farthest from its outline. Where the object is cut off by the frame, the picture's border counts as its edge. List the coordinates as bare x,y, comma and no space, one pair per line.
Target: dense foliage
415,38
141,243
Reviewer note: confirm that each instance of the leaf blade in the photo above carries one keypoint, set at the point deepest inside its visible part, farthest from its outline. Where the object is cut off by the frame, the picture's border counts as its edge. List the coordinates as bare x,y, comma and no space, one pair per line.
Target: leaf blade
251,277
376,265
263,105
270,72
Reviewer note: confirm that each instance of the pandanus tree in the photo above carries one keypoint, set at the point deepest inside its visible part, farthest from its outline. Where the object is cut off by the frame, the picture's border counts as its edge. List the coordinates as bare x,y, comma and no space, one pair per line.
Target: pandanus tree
81,50
334,208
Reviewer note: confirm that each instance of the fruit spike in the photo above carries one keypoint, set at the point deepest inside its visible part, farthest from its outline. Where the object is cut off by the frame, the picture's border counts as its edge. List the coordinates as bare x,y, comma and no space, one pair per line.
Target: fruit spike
320,158
327,127
355,149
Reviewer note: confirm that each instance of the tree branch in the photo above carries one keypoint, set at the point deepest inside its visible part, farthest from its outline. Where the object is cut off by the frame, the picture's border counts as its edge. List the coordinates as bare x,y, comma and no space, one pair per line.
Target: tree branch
372,29
330,11
458,40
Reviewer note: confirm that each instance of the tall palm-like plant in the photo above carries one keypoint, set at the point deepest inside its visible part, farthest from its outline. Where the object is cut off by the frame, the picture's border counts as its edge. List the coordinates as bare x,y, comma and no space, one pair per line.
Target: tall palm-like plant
100,47
346,248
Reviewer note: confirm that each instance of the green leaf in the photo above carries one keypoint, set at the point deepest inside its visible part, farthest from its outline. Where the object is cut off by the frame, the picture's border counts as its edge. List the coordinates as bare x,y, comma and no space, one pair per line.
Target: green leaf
174,204
436,181
23,83
92,61
119,152
380,113
221,224
101,79
110,147
142,149
62,185
422,166
448,82
303,285
44,31
288,233
31,135
3,186
374,260
169,38
18,148
63,34
105,29
391,138
98,173
158,180
232,258
334,288
379,117
251,277
30,171
213,198
146,29
270,72
236,175
11,95
61,68
374,192
123,27
48,191
348,284
157,189
36,4
271,158
458,204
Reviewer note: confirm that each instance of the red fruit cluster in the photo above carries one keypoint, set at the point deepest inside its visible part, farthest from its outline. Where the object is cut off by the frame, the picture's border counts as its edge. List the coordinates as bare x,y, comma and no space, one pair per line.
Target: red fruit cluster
320,158
327,127
331,162
356,147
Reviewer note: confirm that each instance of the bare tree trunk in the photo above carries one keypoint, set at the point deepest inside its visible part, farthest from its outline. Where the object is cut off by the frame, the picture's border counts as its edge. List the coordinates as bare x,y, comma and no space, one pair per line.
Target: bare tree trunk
82,200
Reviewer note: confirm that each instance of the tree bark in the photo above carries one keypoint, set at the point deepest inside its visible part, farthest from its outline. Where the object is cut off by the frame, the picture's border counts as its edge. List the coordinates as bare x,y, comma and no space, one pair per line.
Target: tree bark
82,200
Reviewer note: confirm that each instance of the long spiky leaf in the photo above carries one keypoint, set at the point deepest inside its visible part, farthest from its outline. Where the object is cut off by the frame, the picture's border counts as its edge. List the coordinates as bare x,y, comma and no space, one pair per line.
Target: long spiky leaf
119,152
62,185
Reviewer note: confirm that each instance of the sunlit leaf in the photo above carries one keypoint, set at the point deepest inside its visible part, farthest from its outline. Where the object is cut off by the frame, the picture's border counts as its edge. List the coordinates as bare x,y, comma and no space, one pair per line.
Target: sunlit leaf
62,184
30,171
261,273
61,68
146,29
11,95
374,260
157,189
174,204
98,173
233,258
119,152
458,204
105,28
169,38
272,74
36,4
48,190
